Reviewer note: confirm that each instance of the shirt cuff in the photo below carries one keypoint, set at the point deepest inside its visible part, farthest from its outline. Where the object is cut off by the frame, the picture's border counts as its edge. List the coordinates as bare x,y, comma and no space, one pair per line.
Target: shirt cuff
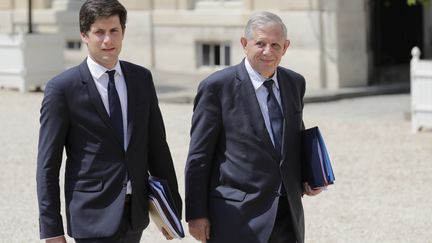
55,237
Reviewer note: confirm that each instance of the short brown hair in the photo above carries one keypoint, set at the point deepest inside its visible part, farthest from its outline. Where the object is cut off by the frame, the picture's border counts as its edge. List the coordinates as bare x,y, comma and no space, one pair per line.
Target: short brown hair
94,9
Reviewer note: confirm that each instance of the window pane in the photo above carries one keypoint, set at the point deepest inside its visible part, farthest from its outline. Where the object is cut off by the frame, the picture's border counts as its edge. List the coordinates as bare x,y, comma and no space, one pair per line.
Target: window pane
217,58
73,45
206,55
227,55
70,45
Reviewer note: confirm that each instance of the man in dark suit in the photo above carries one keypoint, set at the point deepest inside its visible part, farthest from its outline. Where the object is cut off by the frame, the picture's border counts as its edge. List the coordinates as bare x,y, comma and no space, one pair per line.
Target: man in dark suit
105,113
243,172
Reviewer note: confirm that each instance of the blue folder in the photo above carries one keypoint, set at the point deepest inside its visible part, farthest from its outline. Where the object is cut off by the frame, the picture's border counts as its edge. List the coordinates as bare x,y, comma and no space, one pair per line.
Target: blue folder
162,209
316,165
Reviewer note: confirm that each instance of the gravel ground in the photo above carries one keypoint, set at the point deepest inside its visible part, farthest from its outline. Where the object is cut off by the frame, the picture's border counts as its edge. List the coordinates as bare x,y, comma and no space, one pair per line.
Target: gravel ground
383,171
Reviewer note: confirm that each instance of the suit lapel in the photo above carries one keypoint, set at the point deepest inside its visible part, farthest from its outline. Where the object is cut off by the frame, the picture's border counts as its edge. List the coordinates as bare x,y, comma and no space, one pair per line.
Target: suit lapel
93,92
94,96
131,95
286,87
252,108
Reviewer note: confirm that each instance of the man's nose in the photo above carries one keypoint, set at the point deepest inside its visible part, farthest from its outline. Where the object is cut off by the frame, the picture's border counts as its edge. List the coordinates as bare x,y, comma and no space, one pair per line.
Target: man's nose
106,38
266,49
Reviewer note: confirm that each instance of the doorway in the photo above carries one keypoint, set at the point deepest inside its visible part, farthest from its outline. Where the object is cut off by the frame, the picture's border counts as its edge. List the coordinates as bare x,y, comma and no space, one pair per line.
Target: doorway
395,29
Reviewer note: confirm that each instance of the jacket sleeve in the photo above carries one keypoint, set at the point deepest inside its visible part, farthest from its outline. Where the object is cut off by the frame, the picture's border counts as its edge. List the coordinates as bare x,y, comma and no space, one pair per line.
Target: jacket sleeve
52,135
205,133
160,159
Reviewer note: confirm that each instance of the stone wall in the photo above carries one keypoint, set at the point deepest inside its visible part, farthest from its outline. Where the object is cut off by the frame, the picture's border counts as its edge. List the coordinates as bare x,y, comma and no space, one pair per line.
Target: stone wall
328,37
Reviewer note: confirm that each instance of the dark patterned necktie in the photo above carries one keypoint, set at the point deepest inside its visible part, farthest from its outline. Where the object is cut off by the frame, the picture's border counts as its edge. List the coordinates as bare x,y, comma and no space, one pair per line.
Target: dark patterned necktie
275,115
115,107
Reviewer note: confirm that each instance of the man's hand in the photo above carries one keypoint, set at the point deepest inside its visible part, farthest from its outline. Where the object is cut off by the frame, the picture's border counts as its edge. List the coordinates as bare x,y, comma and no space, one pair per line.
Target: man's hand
200,229
60,239
311,192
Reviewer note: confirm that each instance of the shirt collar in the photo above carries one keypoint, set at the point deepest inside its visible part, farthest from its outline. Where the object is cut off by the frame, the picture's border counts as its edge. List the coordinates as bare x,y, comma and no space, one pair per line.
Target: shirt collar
98,70
257,79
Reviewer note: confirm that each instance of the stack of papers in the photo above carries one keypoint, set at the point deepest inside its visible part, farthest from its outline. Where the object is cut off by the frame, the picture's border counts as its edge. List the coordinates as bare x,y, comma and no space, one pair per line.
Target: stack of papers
317,169
162,209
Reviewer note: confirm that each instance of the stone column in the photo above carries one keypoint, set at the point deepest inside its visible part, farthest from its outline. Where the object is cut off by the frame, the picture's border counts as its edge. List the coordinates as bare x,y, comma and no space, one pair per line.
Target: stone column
342,43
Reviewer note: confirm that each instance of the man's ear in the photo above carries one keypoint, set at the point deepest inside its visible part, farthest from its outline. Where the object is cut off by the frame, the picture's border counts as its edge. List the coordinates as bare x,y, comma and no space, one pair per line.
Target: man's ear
286,45
243,42
84,37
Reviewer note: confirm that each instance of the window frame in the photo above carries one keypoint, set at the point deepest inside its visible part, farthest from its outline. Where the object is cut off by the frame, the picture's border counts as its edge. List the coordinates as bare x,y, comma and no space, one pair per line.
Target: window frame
224,54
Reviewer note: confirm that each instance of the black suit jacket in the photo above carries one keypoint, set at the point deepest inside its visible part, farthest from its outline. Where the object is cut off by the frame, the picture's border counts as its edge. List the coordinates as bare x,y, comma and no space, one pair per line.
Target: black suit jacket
233,172
73,117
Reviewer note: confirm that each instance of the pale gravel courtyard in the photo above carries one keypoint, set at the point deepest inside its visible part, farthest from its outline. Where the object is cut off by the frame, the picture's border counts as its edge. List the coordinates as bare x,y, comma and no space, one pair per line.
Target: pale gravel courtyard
383,190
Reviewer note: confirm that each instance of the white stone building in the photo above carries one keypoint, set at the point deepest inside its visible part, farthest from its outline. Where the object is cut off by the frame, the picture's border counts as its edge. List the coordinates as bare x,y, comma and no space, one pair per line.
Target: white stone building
334,43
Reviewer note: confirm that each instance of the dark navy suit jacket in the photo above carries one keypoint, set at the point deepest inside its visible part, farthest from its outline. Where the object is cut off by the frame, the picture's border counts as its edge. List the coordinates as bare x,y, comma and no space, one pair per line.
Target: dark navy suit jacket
233,172
96,170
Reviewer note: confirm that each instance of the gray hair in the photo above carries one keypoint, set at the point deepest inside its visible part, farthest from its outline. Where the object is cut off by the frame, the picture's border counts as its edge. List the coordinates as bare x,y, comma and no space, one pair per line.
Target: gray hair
261,19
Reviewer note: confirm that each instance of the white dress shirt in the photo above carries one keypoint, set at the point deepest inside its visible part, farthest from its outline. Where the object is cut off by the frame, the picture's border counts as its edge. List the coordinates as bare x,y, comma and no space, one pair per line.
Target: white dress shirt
101,80
262,93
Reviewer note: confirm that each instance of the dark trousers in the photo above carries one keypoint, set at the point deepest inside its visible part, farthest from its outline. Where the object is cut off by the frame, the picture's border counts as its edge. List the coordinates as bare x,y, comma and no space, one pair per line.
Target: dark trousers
282,229
124,234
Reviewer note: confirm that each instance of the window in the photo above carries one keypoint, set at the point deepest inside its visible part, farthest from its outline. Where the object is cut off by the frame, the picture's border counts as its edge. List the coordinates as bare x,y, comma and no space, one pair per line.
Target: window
214,54
73,45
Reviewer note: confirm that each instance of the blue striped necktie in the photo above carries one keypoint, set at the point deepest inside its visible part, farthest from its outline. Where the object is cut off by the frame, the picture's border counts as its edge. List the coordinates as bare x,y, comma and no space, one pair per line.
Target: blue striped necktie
275,115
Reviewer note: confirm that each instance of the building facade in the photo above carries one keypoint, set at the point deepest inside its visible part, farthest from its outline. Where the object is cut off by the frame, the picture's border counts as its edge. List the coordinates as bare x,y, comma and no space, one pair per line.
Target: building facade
334,43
